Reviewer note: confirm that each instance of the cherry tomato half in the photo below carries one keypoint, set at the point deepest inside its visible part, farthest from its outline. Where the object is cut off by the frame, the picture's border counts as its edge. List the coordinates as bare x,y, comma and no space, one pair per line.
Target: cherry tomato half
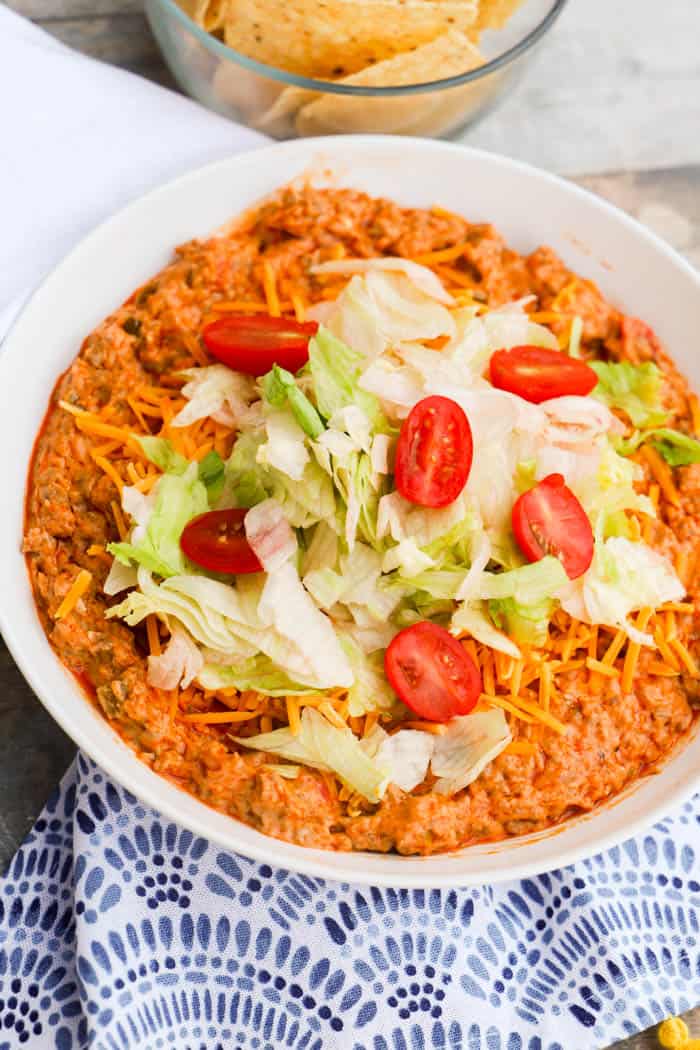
433,453
217,541
548,519
431,672
254,344
537,374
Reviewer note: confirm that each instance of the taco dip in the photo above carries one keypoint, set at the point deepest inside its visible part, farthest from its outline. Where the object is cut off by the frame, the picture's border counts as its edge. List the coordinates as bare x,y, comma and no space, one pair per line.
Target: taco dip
372,533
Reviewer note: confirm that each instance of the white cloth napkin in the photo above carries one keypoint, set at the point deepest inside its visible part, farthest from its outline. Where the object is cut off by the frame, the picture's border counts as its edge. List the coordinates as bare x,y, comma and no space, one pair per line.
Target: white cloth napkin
78,139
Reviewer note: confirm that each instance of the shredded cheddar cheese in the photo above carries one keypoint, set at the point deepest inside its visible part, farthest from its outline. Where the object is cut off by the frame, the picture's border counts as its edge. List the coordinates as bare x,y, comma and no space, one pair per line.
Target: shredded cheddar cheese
570,642
662,645
500,701
299,307
564,294
134,406
613,651
270,289
633,649
694,406
153,636
487,673
658,668
452,276
293,714
119,519
75,592
435,728
543,716
444,255
219,717
545,690
601,668
521,747
660,470
684,656
516,678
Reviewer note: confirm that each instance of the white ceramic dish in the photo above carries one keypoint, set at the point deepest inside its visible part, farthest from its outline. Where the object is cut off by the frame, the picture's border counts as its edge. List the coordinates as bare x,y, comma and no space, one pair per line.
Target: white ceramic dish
636,270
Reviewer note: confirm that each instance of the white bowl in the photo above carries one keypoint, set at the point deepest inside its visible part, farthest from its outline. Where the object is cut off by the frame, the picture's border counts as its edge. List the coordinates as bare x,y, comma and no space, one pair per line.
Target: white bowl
637,272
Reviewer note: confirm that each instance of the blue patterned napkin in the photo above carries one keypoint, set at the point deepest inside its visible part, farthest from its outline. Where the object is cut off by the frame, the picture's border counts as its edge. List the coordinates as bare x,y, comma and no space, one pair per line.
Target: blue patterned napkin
119,930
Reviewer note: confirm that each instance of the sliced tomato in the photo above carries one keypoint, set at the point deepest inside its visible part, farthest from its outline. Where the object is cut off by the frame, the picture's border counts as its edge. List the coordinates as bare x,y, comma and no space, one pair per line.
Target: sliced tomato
434,453
538,374
254,344
217,541
548,519
432,673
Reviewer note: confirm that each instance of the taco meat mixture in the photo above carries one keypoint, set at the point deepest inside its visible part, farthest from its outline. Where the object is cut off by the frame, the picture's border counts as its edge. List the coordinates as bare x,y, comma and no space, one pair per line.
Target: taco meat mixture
73,512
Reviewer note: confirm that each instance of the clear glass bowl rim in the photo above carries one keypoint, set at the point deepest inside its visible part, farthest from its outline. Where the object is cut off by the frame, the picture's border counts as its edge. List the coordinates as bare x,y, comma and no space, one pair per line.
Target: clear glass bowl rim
333,87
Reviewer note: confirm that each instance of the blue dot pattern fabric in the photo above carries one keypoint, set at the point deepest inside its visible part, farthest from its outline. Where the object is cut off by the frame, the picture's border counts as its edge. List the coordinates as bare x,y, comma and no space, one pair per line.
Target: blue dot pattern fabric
122,931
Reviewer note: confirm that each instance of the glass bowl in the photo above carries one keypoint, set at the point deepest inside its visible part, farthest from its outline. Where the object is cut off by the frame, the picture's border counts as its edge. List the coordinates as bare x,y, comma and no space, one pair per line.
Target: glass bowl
279,103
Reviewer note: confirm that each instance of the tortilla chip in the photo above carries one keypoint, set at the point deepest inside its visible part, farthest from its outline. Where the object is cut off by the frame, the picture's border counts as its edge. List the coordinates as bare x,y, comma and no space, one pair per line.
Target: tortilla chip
493,14
328,39
277,120
210,14
448,55
249,93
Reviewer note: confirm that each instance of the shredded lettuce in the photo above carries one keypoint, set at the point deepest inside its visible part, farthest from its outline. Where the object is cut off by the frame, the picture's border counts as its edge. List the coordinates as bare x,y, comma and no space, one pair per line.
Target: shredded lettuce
286,606
469,745
677,448
527,585
161,452
520,602
178,664
322,746
405,755
210,469
285,448
610,489
636,389
269,534
357,583
211,472
471,617
280,388
273,615
119,578
527,624
574,349
425,280
370,690
179,498
525,476
219,392
382,309
257,672
623,577
248,482
336,369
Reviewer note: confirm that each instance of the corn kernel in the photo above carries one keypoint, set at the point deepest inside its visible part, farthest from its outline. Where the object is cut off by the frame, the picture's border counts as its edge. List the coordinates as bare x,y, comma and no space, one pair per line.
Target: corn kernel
673,1033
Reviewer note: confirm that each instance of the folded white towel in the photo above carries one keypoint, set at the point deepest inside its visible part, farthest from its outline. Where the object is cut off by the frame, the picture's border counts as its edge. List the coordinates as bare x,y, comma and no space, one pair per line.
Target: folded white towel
78,139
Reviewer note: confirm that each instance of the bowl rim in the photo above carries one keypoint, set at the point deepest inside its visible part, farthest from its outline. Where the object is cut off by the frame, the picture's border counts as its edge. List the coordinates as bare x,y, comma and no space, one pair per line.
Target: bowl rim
115,757
331,87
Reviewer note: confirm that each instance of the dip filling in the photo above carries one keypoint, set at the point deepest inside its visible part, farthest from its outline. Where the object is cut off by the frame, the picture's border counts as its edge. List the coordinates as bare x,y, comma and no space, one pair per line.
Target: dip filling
411,569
